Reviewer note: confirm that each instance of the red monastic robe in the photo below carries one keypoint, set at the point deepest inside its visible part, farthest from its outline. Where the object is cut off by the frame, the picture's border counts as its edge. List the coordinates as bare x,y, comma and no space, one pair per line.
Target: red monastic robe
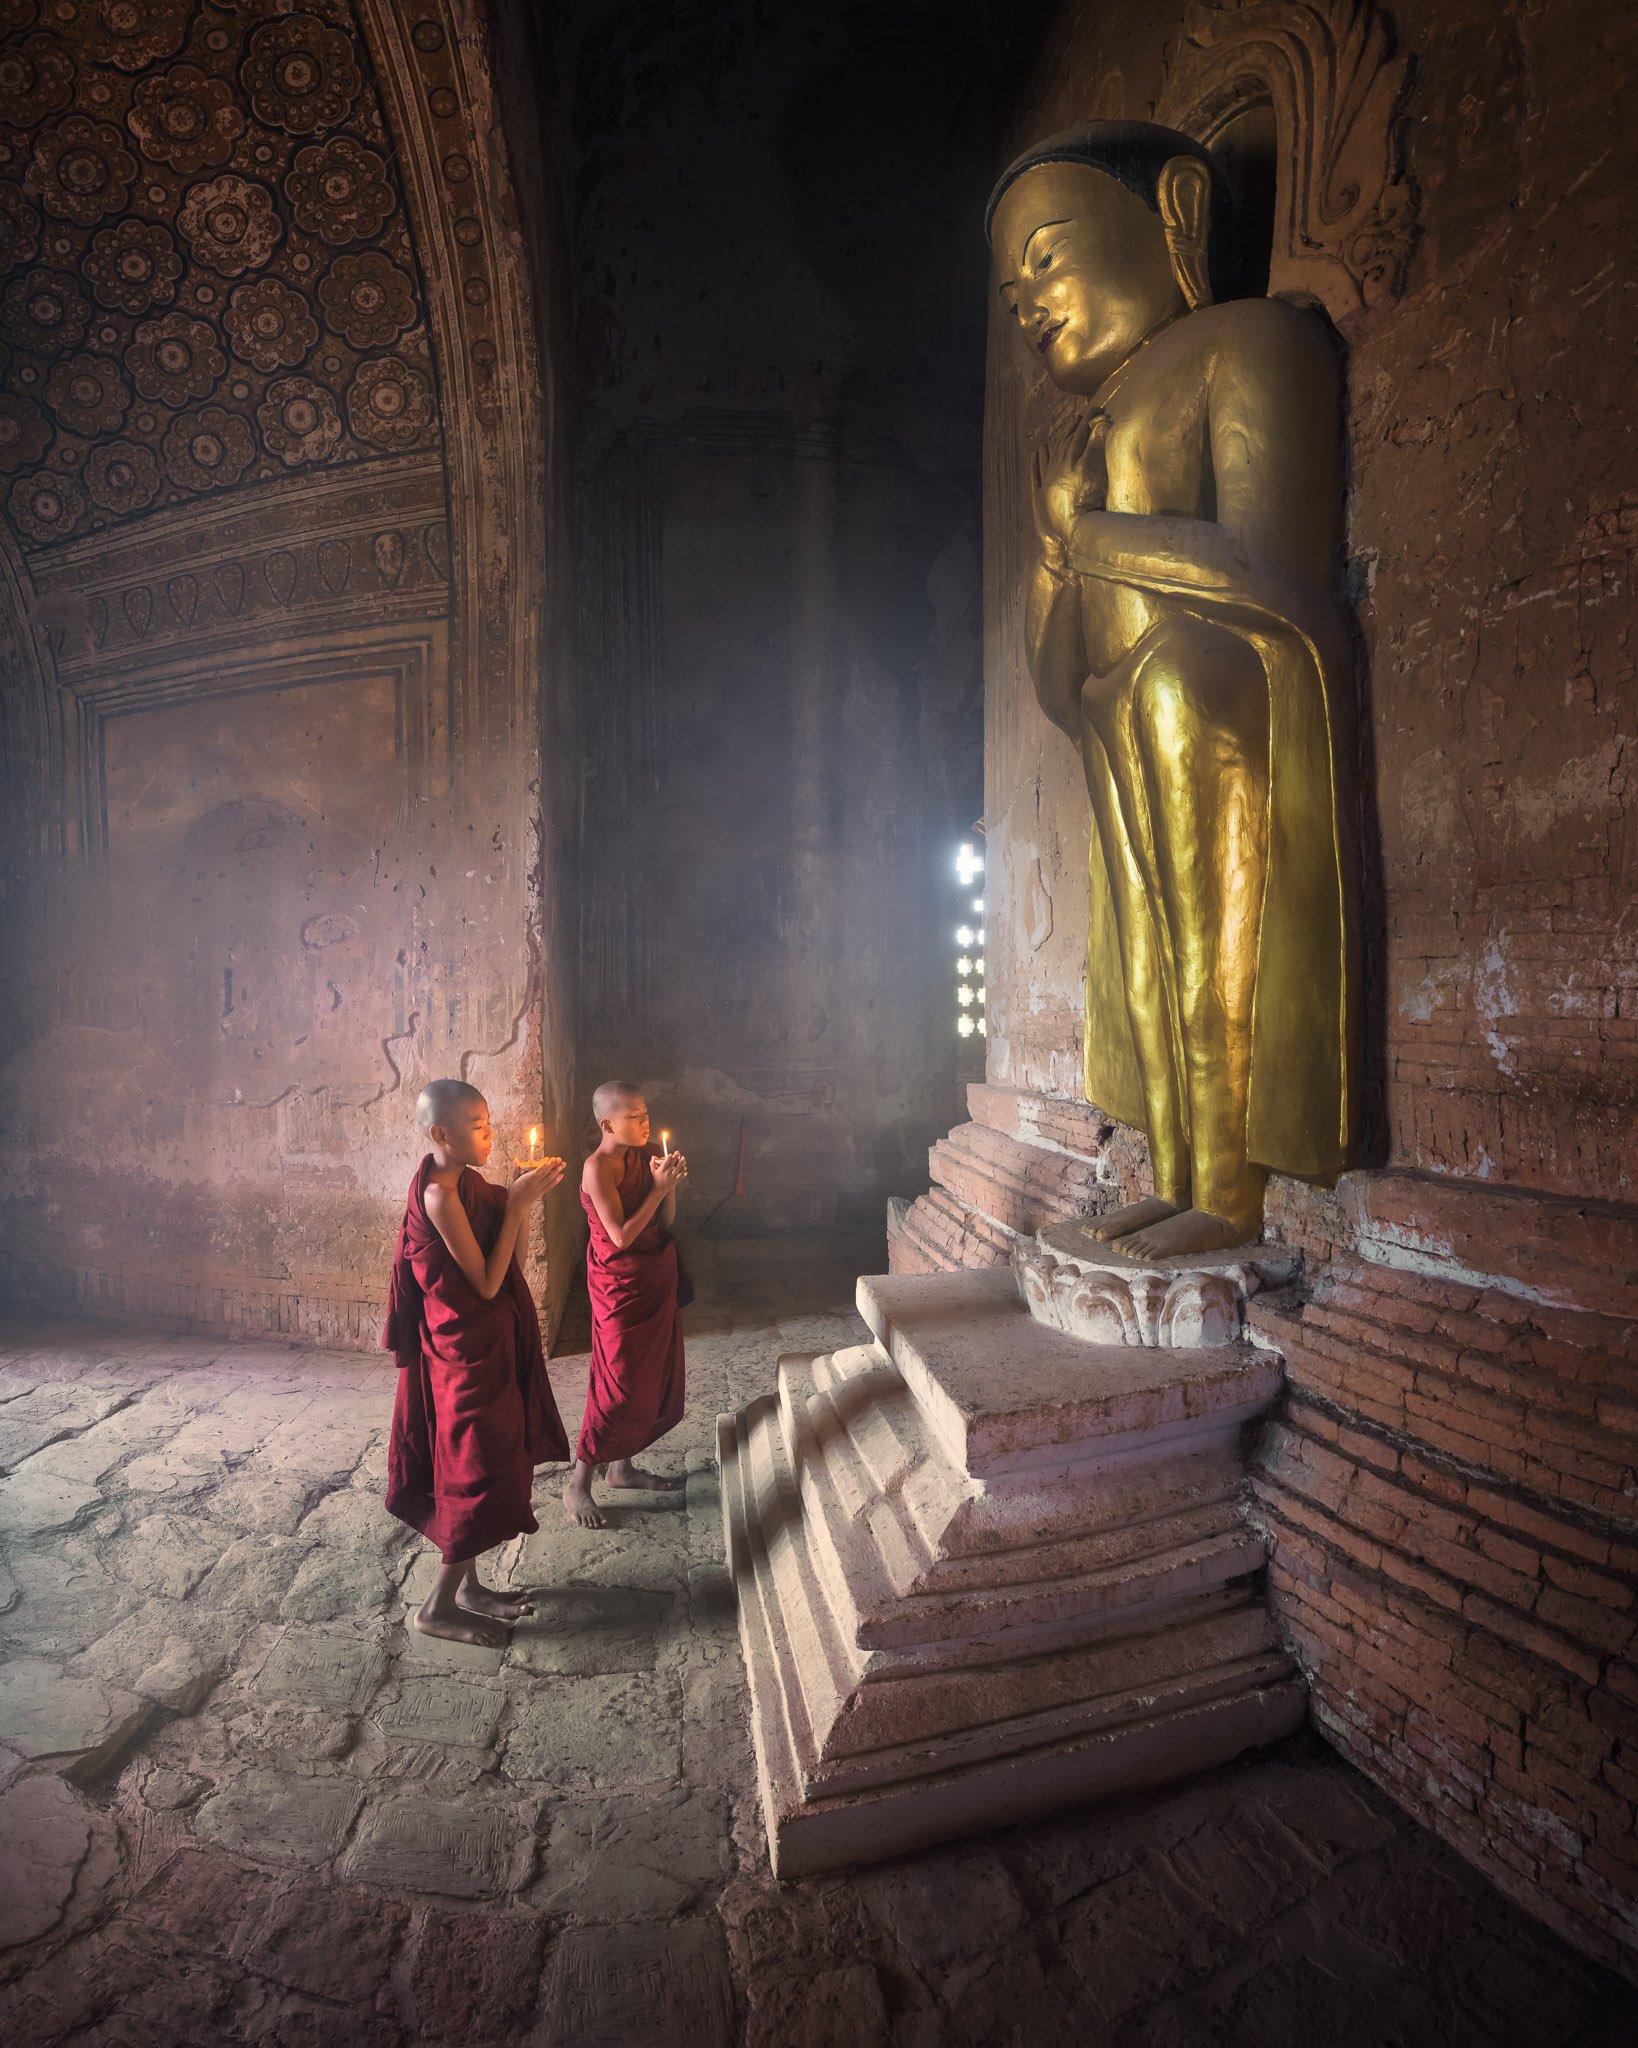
636,1391
474,1414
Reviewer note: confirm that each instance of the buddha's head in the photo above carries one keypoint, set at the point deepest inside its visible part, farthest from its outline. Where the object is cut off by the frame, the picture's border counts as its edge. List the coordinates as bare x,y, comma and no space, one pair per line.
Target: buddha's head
1103,234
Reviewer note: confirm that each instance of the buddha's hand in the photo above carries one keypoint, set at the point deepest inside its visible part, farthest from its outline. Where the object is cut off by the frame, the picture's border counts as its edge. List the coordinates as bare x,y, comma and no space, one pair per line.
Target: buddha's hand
1070,477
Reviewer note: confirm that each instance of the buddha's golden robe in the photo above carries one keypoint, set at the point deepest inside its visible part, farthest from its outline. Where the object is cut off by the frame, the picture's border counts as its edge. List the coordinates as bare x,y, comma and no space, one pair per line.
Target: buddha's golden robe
1302,1103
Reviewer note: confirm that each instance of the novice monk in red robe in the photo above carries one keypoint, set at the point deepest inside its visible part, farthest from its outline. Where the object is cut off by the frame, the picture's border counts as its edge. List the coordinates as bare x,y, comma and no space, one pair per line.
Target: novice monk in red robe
629,1193
474,1414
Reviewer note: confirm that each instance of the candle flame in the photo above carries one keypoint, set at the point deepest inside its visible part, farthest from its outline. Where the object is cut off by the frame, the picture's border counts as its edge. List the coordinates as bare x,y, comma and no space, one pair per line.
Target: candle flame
665,1144
534,1139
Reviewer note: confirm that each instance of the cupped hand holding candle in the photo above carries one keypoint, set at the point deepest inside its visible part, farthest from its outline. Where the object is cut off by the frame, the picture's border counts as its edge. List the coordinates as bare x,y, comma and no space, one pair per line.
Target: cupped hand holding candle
535,1164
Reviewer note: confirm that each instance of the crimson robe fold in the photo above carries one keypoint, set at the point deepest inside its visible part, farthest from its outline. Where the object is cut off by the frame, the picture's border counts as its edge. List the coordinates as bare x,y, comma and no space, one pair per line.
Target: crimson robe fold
474,1414
636,1390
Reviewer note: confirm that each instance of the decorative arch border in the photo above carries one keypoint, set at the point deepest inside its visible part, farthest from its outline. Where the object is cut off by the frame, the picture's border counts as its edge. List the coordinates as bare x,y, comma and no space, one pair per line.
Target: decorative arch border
1346,219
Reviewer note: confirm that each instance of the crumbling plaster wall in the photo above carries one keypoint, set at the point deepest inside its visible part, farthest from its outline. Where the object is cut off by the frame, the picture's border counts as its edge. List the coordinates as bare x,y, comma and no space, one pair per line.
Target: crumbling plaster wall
777,493
276,562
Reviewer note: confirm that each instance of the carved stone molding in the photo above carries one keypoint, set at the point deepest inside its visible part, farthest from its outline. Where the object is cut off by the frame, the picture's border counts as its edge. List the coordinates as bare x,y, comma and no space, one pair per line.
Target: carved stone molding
1345,220
1092,1291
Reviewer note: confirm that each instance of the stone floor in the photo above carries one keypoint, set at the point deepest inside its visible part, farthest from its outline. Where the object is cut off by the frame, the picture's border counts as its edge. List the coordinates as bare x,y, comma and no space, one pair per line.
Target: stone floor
239,1803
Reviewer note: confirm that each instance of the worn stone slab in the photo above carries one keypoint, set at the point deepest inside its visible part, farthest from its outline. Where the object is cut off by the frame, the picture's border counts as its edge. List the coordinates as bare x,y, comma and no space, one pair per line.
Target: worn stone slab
66,1600
45,1835
632,1858
280,1818
78,1724
585,1734
318,1669
261,1505
641,1546
203,1898
578,1630
46,1413
253,1575
327,1942
425,1845
169,1553
827,2009
236,1419
324,1446
475,1976
35,1503
452,1711
334,1584
169,1653
350,1516
279,1735
668,1987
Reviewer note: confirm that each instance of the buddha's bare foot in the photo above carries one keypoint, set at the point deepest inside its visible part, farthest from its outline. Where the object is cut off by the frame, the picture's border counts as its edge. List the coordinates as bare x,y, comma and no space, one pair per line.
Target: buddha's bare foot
1187,1233
478,1598
1135,1216
455,1625
622,1472
579,1506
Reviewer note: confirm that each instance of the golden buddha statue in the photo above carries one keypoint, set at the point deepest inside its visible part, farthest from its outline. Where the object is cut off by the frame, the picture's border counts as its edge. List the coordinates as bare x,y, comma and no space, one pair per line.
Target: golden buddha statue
1183,628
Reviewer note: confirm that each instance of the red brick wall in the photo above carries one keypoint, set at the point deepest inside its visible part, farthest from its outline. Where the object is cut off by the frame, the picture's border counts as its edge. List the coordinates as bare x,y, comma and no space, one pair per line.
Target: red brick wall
1450,1498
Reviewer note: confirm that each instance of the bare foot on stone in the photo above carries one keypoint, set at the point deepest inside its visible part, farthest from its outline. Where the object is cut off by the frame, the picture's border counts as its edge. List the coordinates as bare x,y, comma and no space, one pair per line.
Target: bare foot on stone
1185,1234
579,1506
1134,1216
622,1472
499,1605
453,1624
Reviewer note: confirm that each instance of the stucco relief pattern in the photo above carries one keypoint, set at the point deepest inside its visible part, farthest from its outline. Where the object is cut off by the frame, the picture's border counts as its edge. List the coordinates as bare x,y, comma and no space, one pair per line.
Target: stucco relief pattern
1346,219
184,192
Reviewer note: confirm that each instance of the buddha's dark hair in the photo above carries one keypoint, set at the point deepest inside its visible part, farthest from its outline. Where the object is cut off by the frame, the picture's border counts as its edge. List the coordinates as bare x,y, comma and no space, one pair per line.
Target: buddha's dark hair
1134,153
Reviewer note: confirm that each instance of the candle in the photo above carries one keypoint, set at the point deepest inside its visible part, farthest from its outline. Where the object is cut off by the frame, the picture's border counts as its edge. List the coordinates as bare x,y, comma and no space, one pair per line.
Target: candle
534,1158
665,1144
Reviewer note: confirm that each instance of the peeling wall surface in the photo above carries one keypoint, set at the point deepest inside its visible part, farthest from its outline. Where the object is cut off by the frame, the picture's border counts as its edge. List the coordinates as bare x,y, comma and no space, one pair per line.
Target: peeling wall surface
781,355
1450,1494
272,569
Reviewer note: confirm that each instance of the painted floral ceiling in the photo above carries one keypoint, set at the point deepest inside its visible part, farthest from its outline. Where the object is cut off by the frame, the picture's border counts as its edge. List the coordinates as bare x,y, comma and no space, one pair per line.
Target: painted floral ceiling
206,276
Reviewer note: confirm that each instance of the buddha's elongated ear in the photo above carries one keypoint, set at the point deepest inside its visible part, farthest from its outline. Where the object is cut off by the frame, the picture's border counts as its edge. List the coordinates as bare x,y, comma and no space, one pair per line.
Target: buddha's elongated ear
1184,192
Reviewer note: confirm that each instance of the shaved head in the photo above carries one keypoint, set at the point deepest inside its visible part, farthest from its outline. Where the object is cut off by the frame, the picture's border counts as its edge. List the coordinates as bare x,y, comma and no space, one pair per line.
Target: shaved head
613,1096
439,1102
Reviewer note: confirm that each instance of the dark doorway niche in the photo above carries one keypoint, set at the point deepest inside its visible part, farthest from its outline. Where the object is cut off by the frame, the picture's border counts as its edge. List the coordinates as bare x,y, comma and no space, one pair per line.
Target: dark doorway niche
1248,149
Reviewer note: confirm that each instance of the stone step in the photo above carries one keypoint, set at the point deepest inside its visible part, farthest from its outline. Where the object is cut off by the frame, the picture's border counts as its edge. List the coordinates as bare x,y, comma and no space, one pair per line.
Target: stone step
970,1710
879,1741
822,1674
875,1563
1064,1402
874,1581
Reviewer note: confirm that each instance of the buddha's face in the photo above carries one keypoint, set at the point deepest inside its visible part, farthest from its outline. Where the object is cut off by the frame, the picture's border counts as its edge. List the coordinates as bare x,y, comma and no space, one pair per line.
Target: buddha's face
1084,267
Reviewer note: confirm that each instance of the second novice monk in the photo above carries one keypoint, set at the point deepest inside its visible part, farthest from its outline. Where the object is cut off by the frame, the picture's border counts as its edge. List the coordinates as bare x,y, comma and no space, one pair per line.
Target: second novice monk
629,1193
